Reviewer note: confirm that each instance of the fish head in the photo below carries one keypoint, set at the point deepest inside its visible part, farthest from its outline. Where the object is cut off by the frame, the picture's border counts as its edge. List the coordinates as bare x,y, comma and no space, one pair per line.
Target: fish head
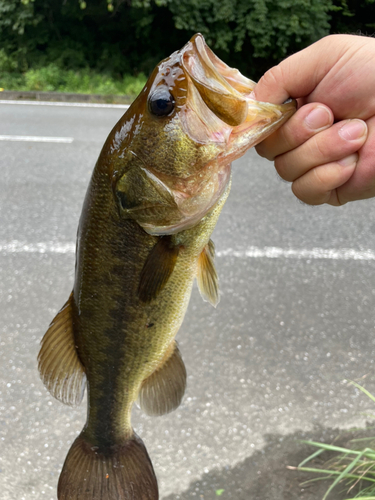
171,152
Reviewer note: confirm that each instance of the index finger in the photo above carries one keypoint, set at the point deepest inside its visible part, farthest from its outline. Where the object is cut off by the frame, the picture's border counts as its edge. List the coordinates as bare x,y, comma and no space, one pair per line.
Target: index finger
306,122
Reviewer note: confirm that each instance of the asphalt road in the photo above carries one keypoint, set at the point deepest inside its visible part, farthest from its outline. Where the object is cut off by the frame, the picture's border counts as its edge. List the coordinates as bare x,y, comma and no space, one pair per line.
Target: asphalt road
295,322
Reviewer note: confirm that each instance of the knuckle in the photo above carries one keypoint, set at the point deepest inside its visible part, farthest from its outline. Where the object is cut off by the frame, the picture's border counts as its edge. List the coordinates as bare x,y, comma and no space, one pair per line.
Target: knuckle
318,148
283,168
264,151
305,190
288,137
270,87
298,192
270,77
339,198
319,179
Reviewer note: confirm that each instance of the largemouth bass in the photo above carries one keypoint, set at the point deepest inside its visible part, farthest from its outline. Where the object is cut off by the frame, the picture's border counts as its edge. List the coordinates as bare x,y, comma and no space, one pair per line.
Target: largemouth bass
154,198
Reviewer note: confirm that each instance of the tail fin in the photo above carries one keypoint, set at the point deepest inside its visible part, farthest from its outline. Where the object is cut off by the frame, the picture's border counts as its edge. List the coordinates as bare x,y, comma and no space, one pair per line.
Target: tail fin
122,472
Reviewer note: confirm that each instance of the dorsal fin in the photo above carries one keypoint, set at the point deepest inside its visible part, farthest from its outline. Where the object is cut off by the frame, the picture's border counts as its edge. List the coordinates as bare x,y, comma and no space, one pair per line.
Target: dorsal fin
157,269
59,365
208,282
162,391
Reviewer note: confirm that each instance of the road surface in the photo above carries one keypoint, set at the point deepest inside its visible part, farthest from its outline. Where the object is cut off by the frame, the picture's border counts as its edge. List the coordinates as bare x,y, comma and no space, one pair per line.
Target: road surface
272,363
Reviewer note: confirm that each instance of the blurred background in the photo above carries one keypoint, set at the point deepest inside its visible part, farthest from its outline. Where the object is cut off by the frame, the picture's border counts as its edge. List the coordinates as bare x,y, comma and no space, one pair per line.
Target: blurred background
110,46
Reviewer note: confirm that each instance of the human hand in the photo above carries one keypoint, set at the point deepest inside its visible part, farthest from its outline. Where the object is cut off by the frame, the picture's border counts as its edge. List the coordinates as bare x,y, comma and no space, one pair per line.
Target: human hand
333,81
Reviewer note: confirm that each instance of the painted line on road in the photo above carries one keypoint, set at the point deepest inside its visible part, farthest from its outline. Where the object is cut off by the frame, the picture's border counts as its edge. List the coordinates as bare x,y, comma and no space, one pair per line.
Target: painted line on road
292,253
16,246
35,138
66,104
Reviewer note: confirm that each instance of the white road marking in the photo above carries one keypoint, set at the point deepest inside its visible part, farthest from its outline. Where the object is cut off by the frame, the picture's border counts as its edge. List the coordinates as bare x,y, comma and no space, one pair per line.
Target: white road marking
302,253
16,246
72,104
36,138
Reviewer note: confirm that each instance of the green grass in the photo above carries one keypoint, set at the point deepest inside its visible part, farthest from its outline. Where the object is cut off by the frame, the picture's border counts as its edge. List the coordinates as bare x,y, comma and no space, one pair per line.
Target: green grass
352,467
54,79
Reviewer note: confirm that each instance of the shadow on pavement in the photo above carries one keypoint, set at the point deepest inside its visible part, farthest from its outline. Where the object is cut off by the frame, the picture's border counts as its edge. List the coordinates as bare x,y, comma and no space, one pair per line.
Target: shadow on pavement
264,475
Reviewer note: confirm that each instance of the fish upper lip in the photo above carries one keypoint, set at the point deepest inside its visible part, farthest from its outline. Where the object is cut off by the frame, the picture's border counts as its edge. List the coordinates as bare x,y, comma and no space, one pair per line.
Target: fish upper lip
223,89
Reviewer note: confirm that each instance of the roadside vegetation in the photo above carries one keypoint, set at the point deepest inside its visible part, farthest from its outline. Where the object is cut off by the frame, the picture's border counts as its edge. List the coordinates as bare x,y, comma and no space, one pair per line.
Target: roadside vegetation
352,468
51,78
110,46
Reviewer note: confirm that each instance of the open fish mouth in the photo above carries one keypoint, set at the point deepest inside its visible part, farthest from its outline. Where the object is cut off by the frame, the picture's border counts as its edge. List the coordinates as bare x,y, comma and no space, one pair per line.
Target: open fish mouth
227,94
223,89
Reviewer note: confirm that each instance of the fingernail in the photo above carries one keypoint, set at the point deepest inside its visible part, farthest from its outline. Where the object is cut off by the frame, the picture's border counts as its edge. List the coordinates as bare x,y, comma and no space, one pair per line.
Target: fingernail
318,118
349,161
353,129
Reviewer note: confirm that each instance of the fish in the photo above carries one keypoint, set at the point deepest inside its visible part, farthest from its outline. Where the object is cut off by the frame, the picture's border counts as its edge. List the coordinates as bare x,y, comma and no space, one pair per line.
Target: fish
144,236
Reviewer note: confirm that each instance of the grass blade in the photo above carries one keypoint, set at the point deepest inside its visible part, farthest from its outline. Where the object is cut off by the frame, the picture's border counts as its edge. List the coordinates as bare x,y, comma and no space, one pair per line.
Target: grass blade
365,391
343,474
368,452
315,454
332,473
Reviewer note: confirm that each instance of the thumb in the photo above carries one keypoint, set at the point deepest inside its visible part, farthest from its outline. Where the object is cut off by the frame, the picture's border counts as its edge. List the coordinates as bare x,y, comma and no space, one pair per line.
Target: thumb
298,75
273,86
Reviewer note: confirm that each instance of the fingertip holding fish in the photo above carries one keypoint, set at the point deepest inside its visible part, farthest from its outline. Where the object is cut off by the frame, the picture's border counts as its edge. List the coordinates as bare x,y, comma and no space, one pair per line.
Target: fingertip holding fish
154,198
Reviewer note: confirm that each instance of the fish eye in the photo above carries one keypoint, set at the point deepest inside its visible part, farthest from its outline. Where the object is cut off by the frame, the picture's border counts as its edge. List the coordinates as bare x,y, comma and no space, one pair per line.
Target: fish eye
161,102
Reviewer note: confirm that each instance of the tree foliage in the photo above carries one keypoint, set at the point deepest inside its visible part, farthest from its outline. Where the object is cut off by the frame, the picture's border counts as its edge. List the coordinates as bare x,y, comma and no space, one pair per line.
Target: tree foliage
130,36
272,27
15,15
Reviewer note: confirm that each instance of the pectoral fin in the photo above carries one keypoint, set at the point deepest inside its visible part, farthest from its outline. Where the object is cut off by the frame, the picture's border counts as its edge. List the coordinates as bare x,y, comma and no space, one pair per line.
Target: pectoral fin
162,391
157,269
208,282
59,365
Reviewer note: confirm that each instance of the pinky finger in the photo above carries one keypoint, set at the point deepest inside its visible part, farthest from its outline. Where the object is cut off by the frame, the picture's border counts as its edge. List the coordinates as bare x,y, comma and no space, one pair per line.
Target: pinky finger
319,184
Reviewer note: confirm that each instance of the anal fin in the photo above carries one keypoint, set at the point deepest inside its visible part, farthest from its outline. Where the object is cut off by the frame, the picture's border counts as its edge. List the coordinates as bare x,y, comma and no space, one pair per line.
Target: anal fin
208,282
59,365
163,390
157,269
